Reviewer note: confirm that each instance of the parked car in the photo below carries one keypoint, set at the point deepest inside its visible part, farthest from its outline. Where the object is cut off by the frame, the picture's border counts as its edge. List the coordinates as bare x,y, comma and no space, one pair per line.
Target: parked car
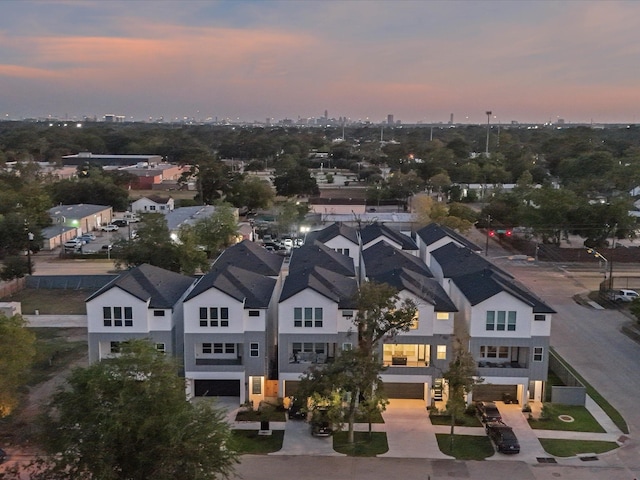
503,437
87,237
120,222
74,244
488,412
296,409
320,423
110,227
623,295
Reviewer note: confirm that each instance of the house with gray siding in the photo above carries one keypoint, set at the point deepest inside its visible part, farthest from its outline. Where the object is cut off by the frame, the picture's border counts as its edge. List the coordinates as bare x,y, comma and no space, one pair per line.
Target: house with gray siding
142,303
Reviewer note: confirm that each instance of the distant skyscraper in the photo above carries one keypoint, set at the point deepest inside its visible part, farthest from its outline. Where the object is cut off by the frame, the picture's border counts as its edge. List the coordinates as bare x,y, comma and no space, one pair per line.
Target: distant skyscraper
390,119
326,114
451,119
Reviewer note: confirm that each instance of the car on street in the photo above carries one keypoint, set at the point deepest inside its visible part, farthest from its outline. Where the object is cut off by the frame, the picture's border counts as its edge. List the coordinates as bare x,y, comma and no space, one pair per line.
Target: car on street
110,227
488,412
503,437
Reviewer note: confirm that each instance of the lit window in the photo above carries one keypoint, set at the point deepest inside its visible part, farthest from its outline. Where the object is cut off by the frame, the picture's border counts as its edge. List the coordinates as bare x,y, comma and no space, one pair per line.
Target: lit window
441,352
442,315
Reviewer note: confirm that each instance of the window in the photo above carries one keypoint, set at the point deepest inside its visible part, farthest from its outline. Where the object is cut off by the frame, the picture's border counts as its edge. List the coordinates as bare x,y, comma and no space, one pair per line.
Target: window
219,348
501,320
414,321
347,313
538,354
441,352
254,349
158,313
152,207
347,346
254,313
490,351
344,251
207,348
113,316
214,317
539,318
256,385
313,317
442,315
161,347
116,347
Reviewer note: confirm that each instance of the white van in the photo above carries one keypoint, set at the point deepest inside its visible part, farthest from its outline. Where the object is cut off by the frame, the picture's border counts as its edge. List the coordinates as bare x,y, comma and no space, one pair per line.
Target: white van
131,217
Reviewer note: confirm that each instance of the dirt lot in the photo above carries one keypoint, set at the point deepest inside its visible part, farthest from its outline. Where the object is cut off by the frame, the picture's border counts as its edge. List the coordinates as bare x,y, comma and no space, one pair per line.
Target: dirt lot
51,302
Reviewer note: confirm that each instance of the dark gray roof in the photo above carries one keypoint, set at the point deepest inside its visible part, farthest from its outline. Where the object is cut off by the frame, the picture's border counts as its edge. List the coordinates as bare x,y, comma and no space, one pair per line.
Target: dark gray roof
478,279
339,288
424,287
376,230
484,284
456,260
434,232
332,231
383,257
253,289
161,288
309,255
77,211
251,256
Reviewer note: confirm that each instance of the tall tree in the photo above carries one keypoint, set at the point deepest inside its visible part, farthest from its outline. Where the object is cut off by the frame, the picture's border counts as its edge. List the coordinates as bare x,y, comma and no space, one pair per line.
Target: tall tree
295,180
217,231
17,351
127,418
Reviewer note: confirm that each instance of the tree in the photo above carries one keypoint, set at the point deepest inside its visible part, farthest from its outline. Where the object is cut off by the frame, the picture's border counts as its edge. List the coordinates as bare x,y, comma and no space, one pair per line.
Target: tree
217,231
192,256
15,267
251,192
461,377
17,351
152,245
127,418
295,180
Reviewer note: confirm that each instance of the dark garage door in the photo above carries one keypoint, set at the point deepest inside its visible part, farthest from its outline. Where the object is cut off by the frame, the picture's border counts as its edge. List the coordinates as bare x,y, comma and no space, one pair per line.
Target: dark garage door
493,393
404,390
217,388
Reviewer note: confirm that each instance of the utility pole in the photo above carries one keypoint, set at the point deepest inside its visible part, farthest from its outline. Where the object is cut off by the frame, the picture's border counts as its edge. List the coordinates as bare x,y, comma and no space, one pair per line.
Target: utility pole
486,247
488,129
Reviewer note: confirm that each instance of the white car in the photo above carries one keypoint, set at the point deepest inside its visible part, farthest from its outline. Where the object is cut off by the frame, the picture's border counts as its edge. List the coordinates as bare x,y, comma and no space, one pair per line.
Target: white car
109,228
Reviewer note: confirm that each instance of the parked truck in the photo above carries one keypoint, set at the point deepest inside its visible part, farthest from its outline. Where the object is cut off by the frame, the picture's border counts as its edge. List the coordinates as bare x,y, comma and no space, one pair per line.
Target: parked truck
623,295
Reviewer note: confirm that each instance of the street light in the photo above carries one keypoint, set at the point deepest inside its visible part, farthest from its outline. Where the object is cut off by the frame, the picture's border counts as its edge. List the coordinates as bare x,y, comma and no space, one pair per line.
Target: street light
599,256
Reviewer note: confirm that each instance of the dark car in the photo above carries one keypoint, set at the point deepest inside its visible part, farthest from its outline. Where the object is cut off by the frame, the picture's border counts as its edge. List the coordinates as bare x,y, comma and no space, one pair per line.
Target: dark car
321,425
503,437
120,223
296,410
488,412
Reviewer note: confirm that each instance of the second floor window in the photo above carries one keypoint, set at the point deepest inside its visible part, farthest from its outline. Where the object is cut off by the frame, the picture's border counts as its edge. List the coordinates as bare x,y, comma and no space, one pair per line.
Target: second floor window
307,317
501,320
214,317
117,316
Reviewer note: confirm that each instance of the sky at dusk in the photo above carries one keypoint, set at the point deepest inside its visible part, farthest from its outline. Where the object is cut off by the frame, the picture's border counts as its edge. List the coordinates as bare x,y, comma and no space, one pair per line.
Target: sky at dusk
529,61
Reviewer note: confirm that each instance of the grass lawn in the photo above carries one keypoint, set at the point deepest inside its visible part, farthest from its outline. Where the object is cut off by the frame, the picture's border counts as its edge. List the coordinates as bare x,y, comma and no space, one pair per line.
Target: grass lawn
363,446
569,448
465,447
51,301
56,348
249,442
583,420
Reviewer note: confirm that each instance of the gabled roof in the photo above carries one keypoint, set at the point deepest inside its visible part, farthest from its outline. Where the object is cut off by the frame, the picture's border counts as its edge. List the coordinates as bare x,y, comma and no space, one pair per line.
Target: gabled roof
478,279
422,286
332,231
250,256
483,284
456,260
161,288
253,289
156,199
309,255
376,230
434,232
339,288
382,257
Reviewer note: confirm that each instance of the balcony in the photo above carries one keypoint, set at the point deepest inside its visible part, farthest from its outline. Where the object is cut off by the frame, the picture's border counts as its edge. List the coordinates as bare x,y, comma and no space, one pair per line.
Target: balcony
308,358
404,361
512,364
219,361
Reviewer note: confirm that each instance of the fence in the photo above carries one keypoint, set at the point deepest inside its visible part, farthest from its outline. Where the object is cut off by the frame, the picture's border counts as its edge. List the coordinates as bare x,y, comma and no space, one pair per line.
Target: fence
573,392
9,288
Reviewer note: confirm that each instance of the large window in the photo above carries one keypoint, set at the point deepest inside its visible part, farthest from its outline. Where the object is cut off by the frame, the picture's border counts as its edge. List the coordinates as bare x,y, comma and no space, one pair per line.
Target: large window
308,352
489,351
214,317
117,316
218,348
501,320
307,317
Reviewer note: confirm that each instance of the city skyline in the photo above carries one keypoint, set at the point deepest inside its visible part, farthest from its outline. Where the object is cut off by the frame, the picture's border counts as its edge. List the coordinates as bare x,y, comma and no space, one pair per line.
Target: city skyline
421,62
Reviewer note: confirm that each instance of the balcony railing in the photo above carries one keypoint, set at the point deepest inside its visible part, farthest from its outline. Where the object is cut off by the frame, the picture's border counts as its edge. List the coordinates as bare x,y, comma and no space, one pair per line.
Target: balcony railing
487,364
218,361
401,361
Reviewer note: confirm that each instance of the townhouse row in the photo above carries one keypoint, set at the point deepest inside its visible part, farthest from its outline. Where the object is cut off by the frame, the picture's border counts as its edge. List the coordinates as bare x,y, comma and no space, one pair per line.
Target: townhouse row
256,322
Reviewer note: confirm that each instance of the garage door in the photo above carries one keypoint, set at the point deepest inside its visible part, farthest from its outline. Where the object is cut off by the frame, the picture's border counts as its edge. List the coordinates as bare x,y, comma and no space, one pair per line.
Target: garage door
493,393
217,388
404,390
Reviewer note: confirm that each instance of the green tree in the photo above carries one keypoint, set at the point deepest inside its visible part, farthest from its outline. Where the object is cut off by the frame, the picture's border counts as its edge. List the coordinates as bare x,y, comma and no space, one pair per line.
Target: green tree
217,231
17,351
289,215
192,256
127,418
251,192
15,267
460,377
295,180
152,245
